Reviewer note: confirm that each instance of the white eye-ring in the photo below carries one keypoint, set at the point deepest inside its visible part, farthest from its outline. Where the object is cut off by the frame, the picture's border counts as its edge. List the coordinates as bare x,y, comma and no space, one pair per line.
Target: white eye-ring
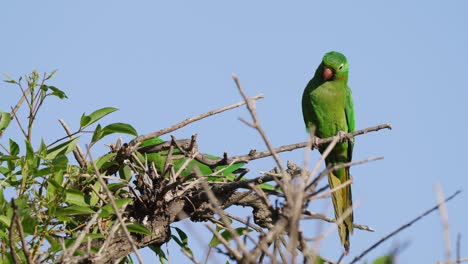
341,66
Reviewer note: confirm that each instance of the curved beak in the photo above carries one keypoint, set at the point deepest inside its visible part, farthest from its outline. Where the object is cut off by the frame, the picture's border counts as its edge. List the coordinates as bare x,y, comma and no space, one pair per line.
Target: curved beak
327,73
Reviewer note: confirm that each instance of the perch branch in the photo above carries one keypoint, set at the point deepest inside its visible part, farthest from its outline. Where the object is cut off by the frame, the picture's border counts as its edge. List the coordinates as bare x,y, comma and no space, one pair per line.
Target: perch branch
263,154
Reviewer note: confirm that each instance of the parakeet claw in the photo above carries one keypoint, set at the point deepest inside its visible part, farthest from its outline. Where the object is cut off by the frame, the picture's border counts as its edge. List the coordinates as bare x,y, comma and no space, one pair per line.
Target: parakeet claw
344,137
315,142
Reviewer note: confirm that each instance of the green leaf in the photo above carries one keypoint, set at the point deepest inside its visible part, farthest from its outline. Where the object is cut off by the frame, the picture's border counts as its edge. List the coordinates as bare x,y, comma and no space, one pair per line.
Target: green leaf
74,210
159,253
4,158
125,173
28,224
85,120
5,119
183,241
230,169
384,260
29,152
151,142
182,235
14,148
95,116
63,148
55,183
5,220
50,75
55,91
228,236
267,187
114,128
60,162
94,197
319,260
42,151
116,185
97,133
2,198
54,243
108,210
103,159
139,229
75,197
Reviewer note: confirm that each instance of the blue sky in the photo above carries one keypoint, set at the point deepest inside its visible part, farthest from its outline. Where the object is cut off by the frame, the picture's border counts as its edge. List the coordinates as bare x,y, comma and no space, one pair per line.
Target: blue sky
160,62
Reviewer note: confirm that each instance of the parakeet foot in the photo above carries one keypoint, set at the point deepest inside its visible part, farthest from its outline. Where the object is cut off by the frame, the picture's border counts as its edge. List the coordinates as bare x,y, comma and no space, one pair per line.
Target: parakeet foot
315,142
344,137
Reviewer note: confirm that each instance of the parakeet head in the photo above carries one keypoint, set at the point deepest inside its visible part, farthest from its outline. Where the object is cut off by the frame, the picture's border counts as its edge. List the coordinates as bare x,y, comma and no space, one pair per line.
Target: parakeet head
334,66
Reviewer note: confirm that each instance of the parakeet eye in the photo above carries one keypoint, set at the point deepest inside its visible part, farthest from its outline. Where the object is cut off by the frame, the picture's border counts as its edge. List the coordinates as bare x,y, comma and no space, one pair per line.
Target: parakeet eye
341,67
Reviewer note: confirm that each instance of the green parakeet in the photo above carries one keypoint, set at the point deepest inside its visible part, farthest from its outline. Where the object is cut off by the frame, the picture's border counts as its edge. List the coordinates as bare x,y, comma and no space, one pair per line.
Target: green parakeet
327,107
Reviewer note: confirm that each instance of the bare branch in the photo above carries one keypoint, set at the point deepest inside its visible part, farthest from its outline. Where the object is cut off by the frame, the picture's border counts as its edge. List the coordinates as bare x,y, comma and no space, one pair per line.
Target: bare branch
187,121
313,215
401,228
251,107
116,208
458,246
67,253
77,152
19,226
339,166
445,221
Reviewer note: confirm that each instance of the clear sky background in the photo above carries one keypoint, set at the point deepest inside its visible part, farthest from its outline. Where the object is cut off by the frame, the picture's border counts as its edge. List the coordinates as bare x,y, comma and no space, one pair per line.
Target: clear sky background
160,62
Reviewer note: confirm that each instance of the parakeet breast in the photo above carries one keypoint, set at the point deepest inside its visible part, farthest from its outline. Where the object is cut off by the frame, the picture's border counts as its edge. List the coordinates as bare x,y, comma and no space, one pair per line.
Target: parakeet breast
328,101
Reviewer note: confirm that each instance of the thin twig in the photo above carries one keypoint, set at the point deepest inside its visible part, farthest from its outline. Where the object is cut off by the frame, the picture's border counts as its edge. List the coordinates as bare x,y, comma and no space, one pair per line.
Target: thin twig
266,240
19,125
335,189
323,157
240,220
71,250
19,226
77,152
401,228
251,108
215,204
187,121
20,102
189,255
236,254
445,221
11,236
339,166
109,237
115,207
313,215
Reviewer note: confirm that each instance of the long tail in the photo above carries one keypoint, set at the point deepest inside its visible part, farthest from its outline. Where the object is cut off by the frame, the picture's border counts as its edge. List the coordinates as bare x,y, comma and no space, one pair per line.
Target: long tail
342,202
